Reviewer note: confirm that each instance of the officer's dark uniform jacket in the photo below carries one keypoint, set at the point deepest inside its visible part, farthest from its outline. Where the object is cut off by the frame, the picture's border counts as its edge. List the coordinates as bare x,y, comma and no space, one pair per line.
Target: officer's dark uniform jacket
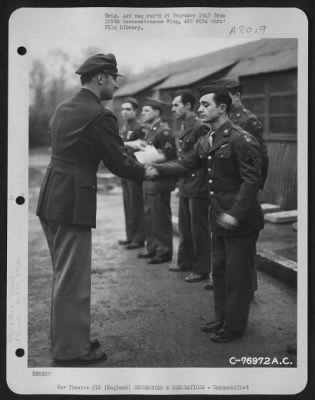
239,115
162,138
83,134
233,167
193,184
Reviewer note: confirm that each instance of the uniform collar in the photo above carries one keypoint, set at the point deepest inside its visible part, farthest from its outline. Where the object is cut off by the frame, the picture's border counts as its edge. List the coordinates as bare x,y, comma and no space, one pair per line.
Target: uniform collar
188,123
221,135
156,123
88,94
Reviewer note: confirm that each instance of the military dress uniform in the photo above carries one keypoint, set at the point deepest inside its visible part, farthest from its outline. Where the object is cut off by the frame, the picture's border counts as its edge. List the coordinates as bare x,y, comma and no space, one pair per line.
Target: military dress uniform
157,196
194,245
241,116
233,165
132,190
83,134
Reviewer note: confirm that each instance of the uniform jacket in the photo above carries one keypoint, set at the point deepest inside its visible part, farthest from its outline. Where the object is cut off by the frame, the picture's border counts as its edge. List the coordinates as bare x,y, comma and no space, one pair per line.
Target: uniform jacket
233,166
193,184
239,115
162,138
83,134
131,131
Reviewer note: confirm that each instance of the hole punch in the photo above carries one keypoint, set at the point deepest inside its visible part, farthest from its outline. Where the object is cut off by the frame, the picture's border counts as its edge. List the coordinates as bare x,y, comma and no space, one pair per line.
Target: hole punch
21,50
20,200
19,352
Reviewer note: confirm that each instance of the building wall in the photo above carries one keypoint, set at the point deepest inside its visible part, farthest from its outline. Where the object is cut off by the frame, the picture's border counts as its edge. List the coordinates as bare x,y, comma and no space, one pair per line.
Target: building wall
273,98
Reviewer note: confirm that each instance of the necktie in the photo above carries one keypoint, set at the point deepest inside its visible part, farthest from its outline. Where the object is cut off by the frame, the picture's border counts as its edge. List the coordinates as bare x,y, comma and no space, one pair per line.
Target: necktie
211,138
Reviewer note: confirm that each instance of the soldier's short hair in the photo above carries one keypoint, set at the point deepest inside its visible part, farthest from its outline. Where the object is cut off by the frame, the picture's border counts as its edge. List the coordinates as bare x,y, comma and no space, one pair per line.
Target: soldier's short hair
186,97
222,96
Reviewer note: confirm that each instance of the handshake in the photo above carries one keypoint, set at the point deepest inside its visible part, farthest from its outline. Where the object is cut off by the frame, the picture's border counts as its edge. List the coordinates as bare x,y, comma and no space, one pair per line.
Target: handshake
150,172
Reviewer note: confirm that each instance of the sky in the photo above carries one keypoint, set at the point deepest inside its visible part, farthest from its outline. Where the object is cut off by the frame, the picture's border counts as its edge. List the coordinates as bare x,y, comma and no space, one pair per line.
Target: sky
134,55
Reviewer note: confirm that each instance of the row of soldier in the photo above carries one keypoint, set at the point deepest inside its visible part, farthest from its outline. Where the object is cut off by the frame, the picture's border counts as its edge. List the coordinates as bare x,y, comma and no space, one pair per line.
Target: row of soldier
221,167
147,206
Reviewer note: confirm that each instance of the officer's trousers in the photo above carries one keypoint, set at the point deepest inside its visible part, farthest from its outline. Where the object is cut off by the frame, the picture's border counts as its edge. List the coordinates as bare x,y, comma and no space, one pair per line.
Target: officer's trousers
232,269
134,211
158,223
194,249
70,251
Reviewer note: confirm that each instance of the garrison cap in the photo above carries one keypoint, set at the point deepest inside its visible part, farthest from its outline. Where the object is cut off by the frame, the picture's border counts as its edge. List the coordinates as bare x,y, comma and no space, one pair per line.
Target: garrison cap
203,90
132,101
155,103
229,83
99,63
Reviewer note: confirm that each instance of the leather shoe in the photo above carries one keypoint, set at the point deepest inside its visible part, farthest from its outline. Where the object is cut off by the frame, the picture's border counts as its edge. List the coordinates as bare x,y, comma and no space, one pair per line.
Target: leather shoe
124,242
134,245
193,277
212,327
93,357
160,259
177,268
224,336
146,254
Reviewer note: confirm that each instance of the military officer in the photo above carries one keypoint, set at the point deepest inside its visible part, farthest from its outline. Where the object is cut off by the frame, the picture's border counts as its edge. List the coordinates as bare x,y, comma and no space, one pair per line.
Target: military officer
132,134
194,245
232,159
157,194
83,134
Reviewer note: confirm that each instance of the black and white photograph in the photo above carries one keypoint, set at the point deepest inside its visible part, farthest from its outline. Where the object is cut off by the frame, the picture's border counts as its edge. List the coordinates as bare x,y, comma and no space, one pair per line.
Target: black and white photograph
157,201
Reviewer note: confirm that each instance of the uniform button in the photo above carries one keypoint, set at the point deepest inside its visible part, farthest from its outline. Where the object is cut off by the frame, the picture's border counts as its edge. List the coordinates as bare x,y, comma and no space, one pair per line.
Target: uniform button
211,193
181,141
209,157
180,150
154,128
210,180
226,131
209,169
238,115
192,175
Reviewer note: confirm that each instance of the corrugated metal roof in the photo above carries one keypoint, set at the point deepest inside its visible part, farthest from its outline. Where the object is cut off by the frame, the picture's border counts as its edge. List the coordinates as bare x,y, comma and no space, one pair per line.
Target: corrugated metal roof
192,76
251,55
266,63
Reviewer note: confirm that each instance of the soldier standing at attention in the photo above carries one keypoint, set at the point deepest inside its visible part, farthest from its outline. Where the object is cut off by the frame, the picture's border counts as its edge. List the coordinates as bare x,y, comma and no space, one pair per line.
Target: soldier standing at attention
194,245
84,133
132,135
241,116
232,159
157,194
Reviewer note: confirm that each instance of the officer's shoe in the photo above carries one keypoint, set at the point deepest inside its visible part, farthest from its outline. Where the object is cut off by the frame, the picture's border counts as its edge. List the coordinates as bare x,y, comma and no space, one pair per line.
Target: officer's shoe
92,357
225,335
193,277
123,242
212,327
160,259
146,254
134,245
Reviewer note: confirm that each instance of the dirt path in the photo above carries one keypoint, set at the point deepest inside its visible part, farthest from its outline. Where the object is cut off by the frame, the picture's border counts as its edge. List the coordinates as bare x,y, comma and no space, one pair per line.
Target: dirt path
144,315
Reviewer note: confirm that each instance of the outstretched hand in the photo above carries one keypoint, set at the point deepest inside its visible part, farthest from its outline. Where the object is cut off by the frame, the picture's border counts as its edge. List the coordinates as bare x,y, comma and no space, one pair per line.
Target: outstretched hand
150,172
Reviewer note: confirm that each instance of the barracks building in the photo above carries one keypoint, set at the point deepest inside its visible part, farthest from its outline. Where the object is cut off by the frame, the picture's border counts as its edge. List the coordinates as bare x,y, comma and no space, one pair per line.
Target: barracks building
267,69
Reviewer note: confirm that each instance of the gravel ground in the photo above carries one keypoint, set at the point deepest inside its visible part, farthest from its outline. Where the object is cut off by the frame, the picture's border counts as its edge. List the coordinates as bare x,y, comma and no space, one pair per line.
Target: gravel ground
145,315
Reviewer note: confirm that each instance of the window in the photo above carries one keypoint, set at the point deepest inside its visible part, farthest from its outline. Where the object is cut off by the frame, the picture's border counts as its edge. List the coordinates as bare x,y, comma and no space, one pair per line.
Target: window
273,98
